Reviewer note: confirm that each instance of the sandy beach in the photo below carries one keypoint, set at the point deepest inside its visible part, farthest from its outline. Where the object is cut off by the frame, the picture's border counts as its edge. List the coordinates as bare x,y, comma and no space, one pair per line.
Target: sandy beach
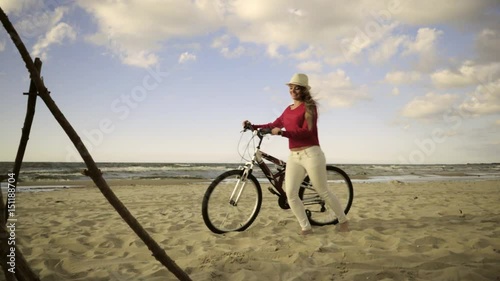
443,230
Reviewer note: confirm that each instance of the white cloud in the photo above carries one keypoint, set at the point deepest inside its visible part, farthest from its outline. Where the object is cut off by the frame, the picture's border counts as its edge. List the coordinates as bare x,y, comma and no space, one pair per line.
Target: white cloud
484,101
16,6
424,41
429,106
309,66
148,25
296,12
221,41
141,59
57,35
273,51
336,90
305,54
2,46
401,77
431,12
467,74
395,91
338,30
387,49
342,32
352,47
424,46
235,53
186,57
449,79
39,21
332,32
43,21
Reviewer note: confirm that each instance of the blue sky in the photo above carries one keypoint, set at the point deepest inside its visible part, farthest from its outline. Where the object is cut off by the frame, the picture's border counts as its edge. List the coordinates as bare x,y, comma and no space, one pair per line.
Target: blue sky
171,81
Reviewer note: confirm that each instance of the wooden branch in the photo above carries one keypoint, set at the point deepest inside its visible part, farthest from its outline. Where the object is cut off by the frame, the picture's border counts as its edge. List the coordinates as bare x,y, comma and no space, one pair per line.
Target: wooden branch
28,121
93,171
21,271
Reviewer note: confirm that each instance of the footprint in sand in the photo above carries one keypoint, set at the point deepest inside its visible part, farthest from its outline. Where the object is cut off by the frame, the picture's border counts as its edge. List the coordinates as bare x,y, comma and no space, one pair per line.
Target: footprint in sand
428,243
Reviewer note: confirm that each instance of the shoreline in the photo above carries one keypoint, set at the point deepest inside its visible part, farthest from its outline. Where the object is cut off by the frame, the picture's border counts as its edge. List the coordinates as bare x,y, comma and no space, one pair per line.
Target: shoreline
356,179
110,182
61,171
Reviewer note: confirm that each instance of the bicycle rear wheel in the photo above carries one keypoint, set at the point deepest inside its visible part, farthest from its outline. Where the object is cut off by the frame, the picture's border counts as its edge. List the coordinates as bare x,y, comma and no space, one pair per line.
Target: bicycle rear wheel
222,211
339,183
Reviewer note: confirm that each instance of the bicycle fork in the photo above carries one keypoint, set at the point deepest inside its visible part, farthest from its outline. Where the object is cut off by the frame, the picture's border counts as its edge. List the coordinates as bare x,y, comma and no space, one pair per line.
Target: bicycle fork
238,189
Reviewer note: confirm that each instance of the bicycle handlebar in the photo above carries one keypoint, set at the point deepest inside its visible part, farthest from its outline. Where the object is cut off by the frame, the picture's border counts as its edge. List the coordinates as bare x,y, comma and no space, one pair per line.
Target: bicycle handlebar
265,131
260,132
247,126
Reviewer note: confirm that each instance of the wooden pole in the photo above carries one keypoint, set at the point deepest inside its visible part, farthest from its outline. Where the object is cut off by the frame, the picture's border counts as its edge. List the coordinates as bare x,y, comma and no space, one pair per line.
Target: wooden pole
93,171
28,121
22,270
30,113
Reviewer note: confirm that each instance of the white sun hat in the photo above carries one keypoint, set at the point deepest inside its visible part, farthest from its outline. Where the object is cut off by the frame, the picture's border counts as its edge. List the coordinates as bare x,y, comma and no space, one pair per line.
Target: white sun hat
299,79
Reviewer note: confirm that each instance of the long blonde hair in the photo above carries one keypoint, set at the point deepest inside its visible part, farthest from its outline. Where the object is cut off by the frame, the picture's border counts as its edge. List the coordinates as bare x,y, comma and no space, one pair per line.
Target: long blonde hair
310,105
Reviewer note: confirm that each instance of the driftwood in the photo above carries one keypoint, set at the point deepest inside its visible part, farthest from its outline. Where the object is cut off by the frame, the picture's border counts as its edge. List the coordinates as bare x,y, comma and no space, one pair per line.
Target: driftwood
92,169
28,121
22,271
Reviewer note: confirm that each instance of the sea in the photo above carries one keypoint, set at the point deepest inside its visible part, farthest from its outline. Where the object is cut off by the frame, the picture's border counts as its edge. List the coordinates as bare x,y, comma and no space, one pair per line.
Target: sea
44,172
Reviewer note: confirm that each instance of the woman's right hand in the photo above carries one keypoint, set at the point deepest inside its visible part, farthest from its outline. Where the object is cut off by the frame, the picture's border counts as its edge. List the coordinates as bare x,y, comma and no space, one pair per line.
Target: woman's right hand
247,124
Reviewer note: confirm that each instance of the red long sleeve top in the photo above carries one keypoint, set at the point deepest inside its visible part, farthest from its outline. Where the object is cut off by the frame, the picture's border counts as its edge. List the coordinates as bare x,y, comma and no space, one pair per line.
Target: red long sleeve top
297,130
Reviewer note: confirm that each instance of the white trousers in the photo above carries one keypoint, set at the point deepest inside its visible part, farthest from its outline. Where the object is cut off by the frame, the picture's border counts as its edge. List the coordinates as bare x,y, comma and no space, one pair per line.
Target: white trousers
310,161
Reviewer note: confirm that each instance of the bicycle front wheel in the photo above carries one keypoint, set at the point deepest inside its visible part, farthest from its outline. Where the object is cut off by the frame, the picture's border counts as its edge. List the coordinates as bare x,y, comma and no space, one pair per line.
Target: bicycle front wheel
338,183
231,202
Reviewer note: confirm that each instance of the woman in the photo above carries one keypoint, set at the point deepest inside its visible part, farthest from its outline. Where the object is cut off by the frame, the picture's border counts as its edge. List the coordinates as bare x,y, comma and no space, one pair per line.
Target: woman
306,156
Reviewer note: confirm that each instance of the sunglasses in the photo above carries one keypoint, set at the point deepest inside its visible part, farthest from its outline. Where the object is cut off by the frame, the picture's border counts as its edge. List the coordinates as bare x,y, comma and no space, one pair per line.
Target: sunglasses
295,88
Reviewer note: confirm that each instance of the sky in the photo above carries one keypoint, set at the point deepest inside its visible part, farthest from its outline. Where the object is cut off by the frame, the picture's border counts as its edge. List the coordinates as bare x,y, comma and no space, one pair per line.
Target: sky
396,81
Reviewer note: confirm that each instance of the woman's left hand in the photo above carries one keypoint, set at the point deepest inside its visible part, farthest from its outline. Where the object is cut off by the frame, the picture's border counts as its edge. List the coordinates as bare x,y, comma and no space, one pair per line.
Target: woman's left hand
275,131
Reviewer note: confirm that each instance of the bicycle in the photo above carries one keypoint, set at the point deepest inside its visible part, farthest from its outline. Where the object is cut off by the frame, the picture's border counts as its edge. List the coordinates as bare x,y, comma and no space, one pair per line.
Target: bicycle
233,200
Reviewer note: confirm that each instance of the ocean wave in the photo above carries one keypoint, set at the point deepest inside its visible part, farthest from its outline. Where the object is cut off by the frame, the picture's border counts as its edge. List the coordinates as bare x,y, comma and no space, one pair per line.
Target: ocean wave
186,167
62,171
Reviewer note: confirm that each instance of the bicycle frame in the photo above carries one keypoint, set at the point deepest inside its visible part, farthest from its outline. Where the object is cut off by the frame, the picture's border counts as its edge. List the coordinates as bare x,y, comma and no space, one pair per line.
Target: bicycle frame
276,179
